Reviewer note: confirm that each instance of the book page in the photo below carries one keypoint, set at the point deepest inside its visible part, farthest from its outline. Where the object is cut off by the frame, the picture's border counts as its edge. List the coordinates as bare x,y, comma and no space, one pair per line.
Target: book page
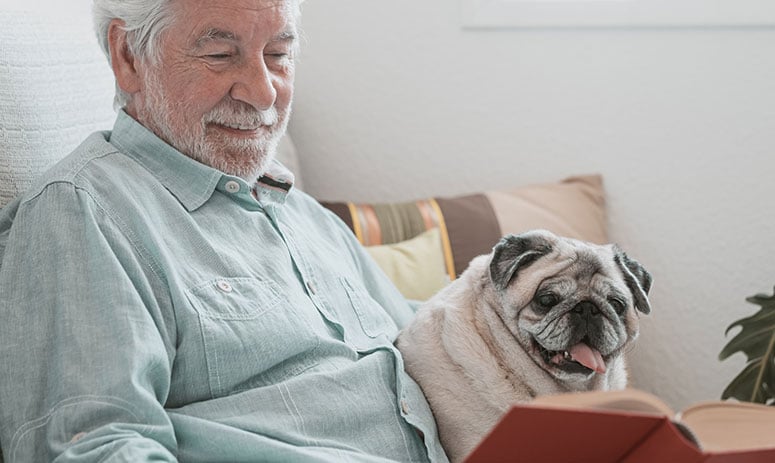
727,426
628,400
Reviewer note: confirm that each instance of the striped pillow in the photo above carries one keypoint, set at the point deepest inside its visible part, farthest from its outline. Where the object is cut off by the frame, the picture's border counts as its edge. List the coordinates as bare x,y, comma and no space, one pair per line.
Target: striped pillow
470,225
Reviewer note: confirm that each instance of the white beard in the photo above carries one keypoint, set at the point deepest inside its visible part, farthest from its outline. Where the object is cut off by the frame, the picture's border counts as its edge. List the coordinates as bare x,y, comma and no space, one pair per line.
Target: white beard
241,157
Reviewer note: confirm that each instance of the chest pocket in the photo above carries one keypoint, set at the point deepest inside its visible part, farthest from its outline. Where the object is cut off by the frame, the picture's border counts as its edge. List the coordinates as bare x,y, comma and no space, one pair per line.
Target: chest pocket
372,318
252,335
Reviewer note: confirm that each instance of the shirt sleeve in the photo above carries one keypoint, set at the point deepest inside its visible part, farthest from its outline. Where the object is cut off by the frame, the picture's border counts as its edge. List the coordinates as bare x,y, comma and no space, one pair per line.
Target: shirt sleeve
87,343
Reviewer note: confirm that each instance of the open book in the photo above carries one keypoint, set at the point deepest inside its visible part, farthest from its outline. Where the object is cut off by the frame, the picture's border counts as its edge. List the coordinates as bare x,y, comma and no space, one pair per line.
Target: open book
629,426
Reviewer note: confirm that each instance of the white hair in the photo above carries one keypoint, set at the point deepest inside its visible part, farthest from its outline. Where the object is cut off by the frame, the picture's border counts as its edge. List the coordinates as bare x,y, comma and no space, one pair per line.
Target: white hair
144,22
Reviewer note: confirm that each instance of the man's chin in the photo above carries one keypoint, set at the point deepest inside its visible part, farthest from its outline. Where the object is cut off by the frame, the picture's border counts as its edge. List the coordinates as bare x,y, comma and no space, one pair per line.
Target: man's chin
246,165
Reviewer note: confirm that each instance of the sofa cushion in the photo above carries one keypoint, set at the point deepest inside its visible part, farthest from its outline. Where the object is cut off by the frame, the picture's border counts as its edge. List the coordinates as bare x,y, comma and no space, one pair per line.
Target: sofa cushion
55,88
416,265
472,224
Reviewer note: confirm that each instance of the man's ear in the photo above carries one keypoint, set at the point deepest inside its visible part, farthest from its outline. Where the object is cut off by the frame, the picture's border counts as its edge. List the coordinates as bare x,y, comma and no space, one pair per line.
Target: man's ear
122,60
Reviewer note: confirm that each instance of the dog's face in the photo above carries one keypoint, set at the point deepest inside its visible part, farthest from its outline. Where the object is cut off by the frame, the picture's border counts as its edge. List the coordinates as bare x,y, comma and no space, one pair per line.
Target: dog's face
571,305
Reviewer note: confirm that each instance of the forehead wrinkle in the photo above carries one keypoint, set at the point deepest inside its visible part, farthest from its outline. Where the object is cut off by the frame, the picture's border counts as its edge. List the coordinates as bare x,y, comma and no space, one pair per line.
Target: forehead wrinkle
588,264
609,290
562,284
215,34
268,5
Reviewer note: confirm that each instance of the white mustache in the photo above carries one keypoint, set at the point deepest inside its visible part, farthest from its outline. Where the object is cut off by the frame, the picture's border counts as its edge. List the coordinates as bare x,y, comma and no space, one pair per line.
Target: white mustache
241,117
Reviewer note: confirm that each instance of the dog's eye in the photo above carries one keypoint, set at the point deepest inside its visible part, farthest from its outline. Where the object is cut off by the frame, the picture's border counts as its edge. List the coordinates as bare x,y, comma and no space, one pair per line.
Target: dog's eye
547,300
618,305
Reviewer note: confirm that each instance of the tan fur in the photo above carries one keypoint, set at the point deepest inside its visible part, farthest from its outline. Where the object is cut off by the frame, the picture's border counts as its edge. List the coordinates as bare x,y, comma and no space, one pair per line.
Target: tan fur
467,349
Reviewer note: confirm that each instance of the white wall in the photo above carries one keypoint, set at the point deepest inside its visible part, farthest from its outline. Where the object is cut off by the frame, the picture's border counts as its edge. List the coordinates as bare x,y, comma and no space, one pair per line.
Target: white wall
394,101
68,8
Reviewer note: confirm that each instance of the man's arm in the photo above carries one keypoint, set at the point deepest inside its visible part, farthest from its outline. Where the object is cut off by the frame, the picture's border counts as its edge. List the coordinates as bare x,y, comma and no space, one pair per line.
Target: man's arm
87,348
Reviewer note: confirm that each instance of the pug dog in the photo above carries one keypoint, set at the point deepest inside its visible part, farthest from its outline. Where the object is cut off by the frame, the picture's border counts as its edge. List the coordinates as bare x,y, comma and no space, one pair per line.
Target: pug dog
539,315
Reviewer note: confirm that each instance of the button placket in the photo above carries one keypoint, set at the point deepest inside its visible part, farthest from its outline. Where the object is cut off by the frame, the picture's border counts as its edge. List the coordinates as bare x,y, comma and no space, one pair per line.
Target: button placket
311,287
404,407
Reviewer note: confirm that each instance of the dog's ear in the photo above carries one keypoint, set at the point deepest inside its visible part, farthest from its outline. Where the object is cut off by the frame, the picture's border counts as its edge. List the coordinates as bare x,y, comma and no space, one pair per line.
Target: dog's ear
516,252
637,278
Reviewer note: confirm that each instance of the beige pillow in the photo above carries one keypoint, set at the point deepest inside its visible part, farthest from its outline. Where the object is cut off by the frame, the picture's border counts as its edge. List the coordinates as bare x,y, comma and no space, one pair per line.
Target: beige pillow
574,208
471,225
416,266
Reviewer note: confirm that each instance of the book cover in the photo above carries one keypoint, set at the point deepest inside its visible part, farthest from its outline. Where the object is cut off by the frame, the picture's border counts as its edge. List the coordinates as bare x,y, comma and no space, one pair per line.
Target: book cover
628,427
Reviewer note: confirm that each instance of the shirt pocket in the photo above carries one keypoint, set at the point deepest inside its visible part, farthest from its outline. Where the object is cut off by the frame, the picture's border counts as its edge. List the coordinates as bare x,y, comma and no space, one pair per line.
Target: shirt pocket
373,319
252,335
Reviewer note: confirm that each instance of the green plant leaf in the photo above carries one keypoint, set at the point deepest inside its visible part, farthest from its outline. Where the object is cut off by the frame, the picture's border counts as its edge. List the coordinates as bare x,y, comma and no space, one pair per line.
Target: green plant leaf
756,339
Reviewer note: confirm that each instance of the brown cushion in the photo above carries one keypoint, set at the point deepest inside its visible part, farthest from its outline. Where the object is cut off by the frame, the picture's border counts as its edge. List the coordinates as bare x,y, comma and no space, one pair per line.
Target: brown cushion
470,225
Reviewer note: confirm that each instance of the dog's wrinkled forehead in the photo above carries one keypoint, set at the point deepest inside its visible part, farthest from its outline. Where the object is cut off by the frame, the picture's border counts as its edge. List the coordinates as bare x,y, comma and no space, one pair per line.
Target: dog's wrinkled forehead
585,263
535,256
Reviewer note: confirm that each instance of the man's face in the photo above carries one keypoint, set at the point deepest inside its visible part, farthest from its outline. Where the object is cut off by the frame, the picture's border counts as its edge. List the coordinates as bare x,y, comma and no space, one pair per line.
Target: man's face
222,89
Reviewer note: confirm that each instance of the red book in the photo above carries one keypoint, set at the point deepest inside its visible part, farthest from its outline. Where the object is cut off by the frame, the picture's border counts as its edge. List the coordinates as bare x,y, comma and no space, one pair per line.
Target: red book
629,426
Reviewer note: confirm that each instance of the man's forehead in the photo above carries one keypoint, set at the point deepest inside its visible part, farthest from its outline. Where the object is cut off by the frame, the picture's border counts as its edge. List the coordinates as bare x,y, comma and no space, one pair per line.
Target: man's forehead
245,5
213,20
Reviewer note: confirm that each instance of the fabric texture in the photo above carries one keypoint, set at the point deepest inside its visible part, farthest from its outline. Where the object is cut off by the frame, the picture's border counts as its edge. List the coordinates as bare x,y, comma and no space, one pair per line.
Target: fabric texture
471,225
55,88
154,309
416,266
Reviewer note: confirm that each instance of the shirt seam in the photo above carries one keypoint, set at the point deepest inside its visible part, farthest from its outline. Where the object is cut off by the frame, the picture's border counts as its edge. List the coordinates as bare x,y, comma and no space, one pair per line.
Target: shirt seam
145,257
142,252
36,423
69,176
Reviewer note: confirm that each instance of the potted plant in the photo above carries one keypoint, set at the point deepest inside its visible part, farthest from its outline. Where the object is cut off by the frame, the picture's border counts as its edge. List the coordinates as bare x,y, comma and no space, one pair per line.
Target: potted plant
756,339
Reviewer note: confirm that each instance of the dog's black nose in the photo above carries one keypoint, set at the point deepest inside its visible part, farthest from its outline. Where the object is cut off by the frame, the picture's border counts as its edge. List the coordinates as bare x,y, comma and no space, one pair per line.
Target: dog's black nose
586,308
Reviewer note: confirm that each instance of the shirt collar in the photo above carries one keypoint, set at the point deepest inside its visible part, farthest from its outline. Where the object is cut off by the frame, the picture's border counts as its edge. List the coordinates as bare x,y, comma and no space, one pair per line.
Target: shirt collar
275,184
190,181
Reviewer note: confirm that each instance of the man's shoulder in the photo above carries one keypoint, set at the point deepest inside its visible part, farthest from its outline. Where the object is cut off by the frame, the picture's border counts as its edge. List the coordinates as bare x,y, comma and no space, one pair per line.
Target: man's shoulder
95,146
95,159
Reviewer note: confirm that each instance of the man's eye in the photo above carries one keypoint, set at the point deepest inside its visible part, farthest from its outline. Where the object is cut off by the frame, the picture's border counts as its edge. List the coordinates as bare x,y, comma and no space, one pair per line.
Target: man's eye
219,56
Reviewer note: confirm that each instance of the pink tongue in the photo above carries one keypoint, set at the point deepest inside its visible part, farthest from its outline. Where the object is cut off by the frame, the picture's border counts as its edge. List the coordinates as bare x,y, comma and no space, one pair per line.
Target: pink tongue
588,357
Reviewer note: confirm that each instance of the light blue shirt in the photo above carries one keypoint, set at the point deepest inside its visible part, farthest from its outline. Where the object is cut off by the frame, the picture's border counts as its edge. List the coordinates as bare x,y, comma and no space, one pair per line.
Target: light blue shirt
152,309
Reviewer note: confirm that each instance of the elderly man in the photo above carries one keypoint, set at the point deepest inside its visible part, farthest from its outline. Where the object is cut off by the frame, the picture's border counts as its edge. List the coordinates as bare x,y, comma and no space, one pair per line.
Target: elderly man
168,295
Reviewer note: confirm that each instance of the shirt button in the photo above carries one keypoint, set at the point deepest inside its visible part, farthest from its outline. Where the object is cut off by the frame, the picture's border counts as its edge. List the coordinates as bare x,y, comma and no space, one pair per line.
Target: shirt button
404,407
224,286
311,287
232,186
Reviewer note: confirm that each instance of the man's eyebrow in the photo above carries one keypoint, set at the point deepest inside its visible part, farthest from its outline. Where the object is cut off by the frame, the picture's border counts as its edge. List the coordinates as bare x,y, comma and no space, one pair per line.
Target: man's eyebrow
214,34
285,36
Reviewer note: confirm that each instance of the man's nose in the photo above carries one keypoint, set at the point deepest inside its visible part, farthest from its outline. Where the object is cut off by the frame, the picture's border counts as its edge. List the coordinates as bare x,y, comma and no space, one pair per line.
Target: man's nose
254,85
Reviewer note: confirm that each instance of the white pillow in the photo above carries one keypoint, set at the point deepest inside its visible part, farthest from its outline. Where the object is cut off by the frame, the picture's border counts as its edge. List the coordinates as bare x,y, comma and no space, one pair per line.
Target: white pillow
55,88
